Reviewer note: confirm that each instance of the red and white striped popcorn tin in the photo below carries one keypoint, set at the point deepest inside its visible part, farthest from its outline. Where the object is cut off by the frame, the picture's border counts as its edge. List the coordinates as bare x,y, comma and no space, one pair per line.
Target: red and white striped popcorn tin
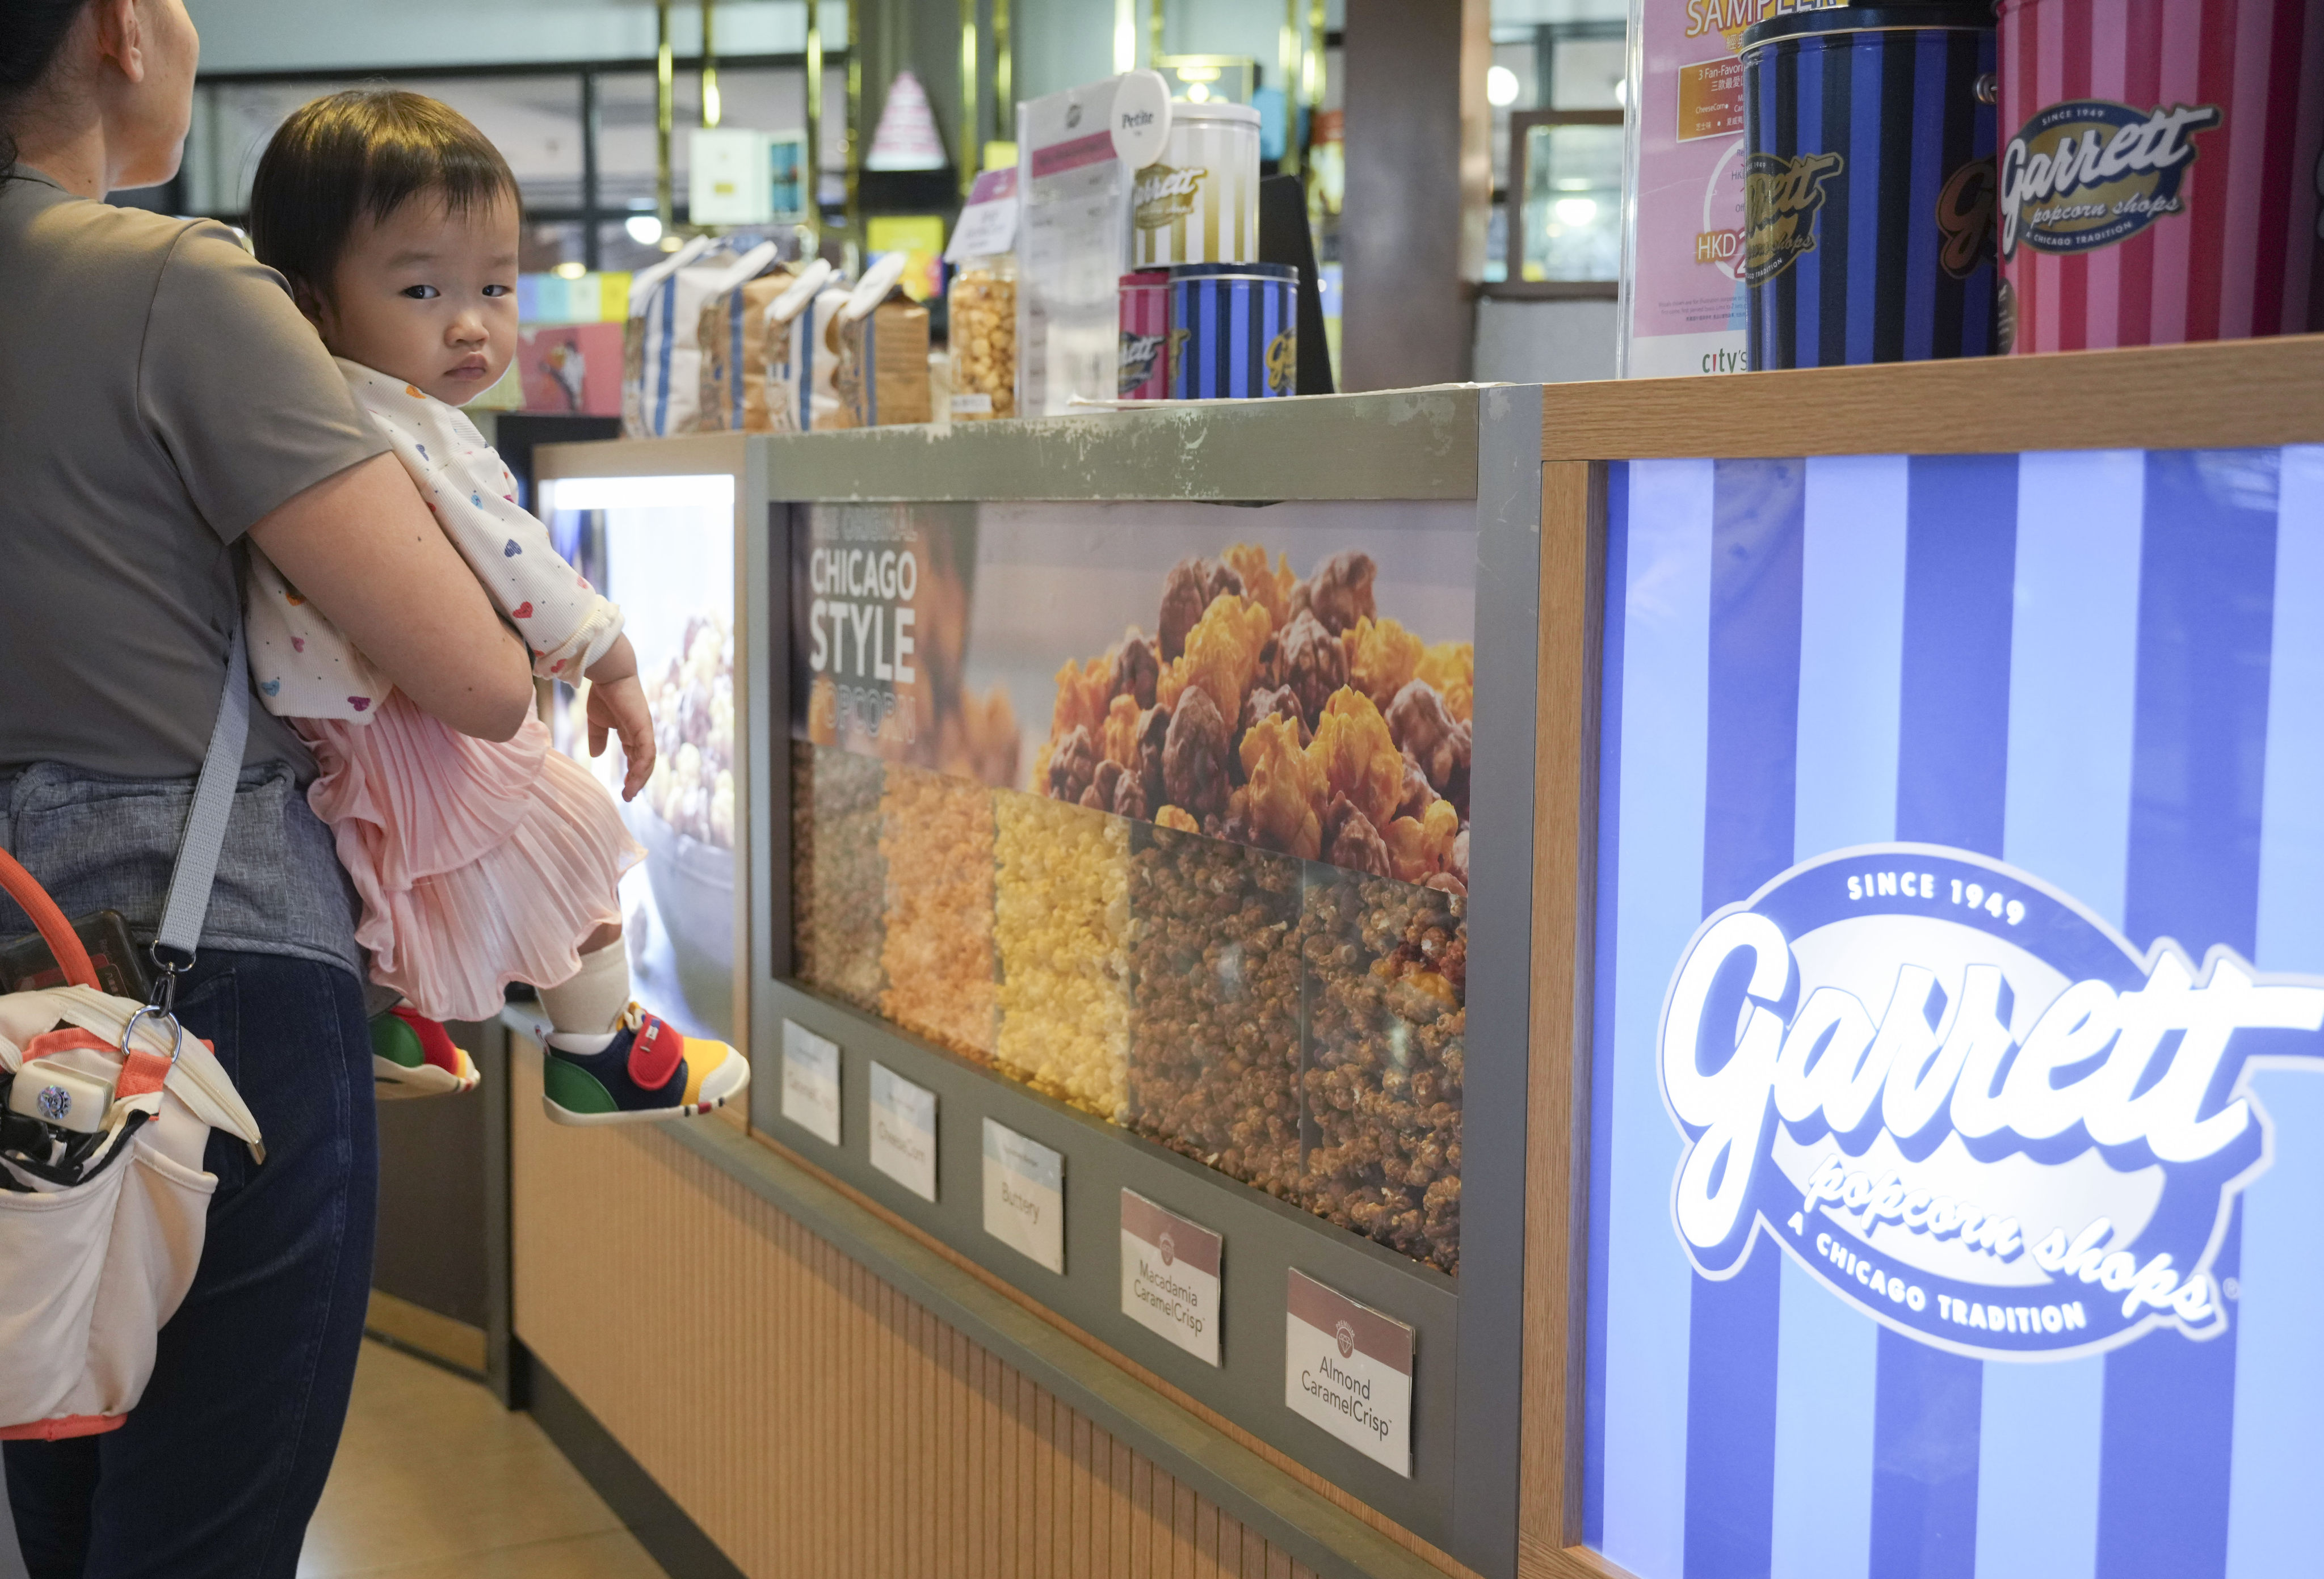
2162,171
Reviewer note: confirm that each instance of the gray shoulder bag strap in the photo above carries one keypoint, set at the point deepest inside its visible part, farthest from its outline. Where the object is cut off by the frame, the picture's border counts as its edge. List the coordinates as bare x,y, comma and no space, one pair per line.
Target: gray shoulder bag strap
180,931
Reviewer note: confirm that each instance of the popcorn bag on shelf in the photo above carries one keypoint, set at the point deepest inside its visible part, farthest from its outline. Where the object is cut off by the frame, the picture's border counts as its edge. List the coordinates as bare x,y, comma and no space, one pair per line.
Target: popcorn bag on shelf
661,381
881,376
802,358
732,334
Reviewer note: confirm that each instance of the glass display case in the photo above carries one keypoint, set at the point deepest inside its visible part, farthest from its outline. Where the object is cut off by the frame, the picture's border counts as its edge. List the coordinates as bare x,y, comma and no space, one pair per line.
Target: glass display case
663,549
1137,826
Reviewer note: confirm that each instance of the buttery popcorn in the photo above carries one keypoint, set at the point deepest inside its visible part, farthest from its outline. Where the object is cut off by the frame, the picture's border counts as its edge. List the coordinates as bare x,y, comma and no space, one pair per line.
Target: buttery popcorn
935,837
1061,922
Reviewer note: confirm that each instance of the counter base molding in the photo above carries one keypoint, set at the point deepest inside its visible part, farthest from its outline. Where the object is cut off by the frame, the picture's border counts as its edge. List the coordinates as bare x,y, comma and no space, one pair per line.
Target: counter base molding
822,1418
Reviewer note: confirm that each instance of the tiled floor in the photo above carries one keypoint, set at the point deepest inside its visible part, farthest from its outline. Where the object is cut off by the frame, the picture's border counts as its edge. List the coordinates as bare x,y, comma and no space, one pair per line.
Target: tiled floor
435,1480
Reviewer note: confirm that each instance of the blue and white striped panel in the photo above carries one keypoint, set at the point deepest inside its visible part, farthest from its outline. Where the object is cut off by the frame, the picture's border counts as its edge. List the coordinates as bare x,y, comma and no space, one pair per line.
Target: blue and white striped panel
2104,669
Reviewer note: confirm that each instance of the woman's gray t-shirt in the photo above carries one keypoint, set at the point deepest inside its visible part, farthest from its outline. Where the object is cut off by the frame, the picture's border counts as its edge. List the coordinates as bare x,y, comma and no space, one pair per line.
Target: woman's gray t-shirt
159,393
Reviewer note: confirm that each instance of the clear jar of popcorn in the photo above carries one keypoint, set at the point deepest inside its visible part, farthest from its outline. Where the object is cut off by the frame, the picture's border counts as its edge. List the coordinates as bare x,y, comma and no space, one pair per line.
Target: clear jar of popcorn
983,338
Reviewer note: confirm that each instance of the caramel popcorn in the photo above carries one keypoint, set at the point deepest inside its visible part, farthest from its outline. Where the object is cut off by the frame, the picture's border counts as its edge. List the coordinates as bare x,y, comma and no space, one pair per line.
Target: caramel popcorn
1192,586
1310,663
1223,651
936,835
1352,840
1073,765
1061,923
1357,756
1172,817
1285,795
1214,1005
1195,756
1136,669
1387,973
1419,847
1433,738
1382,655
1119,737
1269,588
1083,692
837,881
1451,666
1339,592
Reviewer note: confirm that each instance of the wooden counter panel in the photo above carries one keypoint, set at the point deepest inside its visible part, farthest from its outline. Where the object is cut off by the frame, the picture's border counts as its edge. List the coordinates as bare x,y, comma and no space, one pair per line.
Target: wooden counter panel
2214,394
808,1417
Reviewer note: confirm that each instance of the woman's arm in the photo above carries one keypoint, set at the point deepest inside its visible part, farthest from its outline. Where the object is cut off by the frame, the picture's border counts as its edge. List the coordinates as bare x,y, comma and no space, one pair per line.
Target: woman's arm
362,547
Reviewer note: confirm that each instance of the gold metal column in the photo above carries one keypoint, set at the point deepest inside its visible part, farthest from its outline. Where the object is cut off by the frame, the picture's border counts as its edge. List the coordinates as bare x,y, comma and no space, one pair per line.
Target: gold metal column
970,156
664,95
711,109
812,242
1004,77
1288,52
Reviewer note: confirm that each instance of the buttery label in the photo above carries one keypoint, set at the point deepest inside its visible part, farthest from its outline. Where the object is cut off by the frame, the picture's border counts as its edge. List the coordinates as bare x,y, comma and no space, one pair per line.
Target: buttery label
1348,1368
1025,1196
1170,1276
811,1082
904,1131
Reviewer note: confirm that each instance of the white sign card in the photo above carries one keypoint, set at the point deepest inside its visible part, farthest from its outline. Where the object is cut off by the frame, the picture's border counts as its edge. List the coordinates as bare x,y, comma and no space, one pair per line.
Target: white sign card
811,1082
904,1131
988,222
1348,1369
1025,1196
1170,1276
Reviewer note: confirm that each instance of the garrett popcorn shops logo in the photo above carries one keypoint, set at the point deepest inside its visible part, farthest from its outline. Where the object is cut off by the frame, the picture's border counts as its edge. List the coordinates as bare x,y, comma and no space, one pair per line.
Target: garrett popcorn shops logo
1781,198
1967,1105
2088,174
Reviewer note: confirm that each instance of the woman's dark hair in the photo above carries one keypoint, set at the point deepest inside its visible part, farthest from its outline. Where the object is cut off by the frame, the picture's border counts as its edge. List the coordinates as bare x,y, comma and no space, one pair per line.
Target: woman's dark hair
363,153
31,34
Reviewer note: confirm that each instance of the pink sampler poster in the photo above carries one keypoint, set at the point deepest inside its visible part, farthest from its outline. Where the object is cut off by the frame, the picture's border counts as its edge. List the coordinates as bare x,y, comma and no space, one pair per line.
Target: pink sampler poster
1683,298
571,368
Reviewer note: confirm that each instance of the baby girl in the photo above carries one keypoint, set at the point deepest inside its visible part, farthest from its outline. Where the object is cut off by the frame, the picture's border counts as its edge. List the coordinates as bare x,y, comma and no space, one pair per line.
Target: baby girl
477,863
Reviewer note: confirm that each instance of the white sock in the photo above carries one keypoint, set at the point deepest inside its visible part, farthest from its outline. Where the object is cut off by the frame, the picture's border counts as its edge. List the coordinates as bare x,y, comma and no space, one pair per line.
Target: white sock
589,1005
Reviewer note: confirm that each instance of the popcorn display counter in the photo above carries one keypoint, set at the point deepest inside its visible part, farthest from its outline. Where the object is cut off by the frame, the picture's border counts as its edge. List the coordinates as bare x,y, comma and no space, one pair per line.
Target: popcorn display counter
1566,970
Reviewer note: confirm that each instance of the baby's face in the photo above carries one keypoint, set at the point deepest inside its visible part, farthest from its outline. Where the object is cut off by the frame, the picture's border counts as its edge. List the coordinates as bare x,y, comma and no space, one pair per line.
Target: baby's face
428,296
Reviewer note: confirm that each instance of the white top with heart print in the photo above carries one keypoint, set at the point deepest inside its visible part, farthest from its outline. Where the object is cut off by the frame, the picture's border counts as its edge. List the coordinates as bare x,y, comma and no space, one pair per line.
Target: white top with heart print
302,664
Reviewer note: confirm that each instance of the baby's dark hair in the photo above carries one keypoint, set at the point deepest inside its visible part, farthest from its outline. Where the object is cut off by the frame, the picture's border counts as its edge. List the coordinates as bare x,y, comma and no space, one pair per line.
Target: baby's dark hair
363,153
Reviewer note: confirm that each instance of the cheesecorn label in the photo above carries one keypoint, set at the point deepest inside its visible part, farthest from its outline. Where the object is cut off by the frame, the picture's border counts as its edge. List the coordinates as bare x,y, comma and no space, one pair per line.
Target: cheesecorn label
1025,1196
1170,1276
811,1082
904,1131
1348,1368
1963,1100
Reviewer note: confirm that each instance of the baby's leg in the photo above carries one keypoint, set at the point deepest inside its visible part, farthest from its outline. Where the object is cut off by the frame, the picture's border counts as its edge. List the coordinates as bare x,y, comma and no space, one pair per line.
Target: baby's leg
591,1001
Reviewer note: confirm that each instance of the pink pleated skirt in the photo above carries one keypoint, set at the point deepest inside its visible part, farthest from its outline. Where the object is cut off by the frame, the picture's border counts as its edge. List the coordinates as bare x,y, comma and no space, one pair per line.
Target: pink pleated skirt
478,863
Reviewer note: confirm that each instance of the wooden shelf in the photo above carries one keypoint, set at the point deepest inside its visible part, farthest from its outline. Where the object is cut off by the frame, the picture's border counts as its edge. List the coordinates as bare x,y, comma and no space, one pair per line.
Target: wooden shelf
2216,394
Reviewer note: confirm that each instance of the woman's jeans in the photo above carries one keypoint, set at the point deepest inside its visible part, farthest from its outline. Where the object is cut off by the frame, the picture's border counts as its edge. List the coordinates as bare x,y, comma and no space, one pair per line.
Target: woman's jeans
221,1464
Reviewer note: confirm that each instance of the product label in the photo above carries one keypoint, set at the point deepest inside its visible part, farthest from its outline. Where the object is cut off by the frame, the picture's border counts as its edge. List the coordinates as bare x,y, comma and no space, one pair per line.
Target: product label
2089,172
1967,1104
1025,1196
811,1082
1965,219
1170,1276
1141,360
1780,199
1163,195
1710,100
904,1131
1348,1369
988,221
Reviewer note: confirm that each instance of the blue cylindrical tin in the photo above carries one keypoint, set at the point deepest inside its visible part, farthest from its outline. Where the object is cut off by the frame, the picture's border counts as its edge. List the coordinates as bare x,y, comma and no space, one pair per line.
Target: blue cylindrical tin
1868,185
1233,331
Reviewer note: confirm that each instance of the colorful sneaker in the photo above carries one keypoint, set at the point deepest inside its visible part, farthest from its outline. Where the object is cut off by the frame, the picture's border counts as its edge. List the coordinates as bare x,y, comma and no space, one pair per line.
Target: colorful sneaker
646,1071
411,1056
